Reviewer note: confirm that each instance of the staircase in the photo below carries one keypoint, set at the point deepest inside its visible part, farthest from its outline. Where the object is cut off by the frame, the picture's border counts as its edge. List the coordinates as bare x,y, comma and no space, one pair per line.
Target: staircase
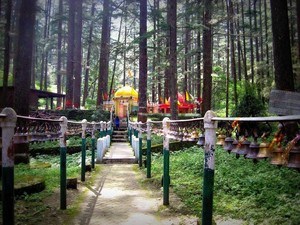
120,135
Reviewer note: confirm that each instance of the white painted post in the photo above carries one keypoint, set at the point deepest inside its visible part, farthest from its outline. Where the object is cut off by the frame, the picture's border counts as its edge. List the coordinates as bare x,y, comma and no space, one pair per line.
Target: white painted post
8,124
93,144
63,162
166,154
83,149
210,127
99,150
149,148
140,144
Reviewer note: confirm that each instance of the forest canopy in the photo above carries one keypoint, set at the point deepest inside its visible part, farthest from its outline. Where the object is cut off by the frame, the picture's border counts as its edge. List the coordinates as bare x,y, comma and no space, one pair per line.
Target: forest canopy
87,49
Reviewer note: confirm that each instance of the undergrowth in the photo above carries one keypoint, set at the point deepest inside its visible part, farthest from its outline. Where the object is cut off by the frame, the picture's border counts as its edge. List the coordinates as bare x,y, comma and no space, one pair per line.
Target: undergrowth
31,209
256,193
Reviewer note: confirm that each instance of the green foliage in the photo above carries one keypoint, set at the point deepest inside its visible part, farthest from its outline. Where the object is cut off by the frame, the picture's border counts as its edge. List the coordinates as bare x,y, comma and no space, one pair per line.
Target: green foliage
52,147
100,115
250,104
30,209
10,78
256,193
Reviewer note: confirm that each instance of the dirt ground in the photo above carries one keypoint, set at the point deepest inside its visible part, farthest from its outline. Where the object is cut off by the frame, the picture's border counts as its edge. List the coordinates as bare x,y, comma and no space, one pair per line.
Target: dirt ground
116,194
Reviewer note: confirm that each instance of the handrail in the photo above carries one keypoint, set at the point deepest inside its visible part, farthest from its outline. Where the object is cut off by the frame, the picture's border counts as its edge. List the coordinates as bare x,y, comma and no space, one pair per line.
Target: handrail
186,120
258,119
39,119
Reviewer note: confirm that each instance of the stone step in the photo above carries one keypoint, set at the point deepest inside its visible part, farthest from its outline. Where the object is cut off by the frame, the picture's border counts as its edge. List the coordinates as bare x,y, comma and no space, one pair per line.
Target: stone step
119,140
119,160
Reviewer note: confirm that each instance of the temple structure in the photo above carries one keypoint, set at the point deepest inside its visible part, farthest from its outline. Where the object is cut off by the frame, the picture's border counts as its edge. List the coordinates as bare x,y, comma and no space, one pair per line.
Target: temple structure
125,98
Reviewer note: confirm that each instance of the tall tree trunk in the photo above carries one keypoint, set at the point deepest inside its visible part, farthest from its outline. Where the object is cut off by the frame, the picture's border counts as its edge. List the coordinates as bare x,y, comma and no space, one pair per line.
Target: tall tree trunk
143,62
115,61
232,51
59,53
291,23
154,64
24,57
207,57
244,41
172,20
6,52
198,77
227,64
88,57
298,26
158,53
267,37
44,66
70,56
186,50
77,53
239,45
104,55
251,43
284,79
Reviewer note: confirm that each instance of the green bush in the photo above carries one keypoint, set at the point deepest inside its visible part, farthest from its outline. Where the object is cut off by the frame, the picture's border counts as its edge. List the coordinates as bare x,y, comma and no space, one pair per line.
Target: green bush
250,104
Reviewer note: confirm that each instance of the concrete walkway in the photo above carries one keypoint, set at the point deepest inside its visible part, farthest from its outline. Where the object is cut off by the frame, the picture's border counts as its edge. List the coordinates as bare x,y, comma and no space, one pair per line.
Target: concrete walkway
118,198
120,152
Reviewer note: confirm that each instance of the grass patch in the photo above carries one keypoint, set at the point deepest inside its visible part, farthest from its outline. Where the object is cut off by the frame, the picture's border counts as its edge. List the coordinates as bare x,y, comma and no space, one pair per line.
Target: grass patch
43,207
259,193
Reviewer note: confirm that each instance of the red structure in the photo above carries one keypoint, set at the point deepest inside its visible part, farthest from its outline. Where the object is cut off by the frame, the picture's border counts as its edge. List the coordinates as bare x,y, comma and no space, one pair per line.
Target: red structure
184,106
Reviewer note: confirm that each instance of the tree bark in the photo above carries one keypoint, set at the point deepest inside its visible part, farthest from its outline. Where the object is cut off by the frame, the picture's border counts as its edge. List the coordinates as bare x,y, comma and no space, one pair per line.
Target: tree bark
77,53
104,55
244,41
24,57
284,79
59,52
172,20
251,43
6,52
70,56
298,26
143,63
88,57
232,50
207,57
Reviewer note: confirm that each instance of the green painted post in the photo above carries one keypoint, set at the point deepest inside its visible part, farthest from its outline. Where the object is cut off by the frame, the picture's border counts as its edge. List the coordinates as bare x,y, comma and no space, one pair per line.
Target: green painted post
148,148
83,149
210,127
63,177
63,162
8,123
140,144
166,154
93,145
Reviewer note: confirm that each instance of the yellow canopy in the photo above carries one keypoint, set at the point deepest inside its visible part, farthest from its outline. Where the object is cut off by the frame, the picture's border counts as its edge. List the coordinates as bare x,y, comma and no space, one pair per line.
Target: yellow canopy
126,92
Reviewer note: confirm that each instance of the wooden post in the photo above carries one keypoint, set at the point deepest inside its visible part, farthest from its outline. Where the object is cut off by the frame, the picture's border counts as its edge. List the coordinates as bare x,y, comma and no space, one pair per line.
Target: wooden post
166,153
149,148
8,123
83,149
140,144
63,166
93,145
209,167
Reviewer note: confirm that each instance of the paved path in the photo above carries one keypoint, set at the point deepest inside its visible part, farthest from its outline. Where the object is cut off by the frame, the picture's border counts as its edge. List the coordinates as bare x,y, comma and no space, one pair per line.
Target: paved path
120,152
118,198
